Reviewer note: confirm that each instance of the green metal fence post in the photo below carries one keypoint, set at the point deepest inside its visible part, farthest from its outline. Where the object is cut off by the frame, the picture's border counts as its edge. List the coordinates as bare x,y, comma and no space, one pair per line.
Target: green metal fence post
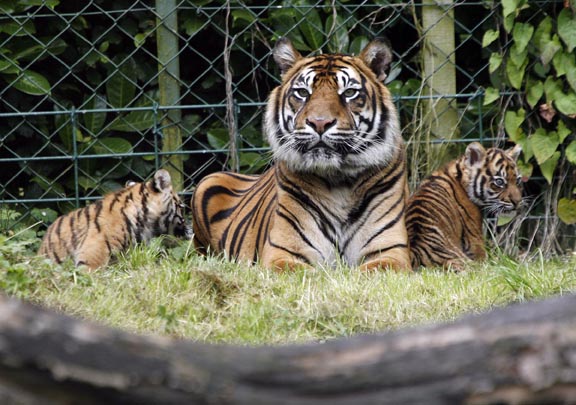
168,82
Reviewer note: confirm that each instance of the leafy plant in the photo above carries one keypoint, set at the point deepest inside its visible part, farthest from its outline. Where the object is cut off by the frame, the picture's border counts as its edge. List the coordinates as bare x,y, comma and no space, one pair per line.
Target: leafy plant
533,54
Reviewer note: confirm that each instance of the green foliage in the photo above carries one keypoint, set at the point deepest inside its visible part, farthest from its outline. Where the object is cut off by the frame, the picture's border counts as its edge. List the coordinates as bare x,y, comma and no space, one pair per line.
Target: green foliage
539,62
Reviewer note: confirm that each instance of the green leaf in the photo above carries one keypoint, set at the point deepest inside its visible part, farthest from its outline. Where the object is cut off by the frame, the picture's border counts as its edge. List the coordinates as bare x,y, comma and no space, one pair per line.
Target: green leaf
543,32
515,73
567,211
545,43
571,152
358,44
109,145
512,122
525,169
283,22
53,188
87,183
309,23
524,142
566,103
549,167
120,87
64,127
522,34
16,29
534,92
561,61
140,39
134,121
218,138
338,34
46,215
7,6
544,144
243,15
31,83
552,88
94,122
491,95
570,66
567,28
562,131
509,21
193,24
509,7
518,57
9,66
495,62
489,37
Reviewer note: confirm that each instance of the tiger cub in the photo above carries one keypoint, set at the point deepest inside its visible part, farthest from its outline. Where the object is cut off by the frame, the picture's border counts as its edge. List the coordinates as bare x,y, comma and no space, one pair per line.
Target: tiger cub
444,215
337,189
136,213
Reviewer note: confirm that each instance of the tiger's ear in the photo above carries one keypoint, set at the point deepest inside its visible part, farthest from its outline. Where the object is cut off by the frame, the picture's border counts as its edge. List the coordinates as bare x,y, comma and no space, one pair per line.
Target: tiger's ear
285,55
475,153
378,56
514,152
162,181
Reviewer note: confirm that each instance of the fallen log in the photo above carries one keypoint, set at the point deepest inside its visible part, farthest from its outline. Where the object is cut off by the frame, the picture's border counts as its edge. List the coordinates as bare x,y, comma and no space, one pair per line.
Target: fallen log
521,354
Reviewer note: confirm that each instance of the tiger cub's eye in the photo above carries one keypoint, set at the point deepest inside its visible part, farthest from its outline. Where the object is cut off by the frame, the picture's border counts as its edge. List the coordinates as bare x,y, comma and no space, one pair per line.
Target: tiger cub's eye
499,182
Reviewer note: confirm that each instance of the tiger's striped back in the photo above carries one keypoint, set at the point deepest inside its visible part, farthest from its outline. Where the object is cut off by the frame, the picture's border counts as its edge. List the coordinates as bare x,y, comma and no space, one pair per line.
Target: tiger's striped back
444,215
136,213
337,189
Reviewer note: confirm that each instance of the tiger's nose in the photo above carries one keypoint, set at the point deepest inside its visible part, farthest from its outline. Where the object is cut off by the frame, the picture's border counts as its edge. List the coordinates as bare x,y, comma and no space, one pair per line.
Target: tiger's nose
320,125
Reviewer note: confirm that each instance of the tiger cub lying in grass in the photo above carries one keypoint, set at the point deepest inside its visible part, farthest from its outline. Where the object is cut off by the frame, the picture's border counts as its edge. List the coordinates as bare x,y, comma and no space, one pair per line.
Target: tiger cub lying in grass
444,215
136,213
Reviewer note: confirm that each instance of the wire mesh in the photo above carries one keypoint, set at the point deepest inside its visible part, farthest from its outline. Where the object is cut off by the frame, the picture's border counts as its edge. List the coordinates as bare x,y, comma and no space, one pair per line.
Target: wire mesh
82,108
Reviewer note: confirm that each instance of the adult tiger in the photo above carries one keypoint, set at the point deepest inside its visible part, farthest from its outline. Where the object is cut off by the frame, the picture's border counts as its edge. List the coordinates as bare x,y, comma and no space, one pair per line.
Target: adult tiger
444,215
136,213
337,190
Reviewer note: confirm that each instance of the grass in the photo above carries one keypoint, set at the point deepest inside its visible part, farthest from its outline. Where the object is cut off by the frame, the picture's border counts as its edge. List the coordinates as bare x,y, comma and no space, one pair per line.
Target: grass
173,291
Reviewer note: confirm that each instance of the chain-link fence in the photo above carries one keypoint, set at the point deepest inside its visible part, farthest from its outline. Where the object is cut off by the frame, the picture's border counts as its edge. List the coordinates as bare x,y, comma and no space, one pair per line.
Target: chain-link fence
99,92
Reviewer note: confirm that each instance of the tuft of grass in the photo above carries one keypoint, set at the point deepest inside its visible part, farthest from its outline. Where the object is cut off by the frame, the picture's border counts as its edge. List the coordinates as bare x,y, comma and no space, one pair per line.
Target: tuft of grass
173,291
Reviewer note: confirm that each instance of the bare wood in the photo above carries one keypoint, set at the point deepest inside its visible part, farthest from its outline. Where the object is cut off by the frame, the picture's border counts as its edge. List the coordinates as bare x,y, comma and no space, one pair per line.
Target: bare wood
520,354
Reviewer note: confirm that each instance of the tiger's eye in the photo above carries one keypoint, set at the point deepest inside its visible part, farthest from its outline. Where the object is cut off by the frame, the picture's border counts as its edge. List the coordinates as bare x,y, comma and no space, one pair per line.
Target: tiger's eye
350,93
301,92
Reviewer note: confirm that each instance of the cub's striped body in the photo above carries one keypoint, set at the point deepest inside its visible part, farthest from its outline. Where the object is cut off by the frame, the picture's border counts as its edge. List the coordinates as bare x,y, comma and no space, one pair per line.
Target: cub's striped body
337,189
444,215
136,213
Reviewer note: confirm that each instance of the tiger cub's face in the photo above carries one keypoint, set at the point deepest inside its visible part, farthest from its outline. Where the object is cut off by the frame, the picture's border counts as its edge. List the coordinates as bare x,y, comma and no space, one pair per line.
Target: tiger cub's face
332,114
164,207
494,180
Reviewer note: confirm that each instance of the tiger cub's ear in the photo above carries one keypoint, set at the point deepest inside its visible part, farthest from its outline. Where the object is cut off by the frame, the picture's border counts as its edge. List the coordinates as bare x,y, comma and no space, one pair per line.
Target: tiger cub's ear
285,55
475,153
162,181
514,152
377,55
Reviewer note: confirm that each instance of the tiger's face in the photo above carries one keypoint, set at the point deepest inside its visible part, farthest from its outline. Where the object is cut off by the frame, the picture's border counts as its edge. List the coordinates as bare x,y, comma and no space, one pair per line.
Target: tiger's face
332,115
494,179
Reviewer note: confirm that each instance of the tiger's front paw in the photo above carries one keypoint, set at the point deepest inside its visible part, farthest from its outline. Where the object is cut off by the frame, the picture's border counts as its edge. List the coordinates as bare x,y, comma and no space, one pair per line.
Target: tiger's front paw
387,263
456,265
287,264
